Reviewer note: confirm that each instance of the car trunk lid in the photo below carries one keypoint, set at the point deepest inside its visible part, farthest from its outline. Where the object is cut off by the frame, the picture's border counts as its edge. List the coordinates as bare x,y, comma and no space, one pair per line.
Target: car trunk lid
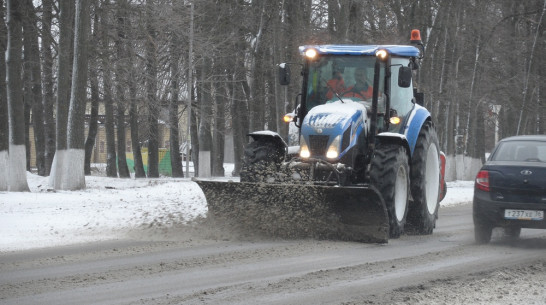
517,182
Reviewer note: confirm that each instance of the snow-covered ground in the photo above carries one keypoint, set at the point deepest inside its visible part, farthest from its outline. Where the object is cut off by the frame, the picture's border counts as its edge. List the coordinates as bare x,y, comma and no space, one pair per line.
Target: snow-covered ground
110,207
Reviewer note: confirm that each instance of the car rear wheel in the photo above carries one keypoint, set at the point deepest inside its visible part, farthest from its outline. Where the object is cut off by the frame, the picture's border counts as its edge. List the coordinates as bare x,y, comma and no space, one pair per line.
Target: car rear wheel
482,234
512,232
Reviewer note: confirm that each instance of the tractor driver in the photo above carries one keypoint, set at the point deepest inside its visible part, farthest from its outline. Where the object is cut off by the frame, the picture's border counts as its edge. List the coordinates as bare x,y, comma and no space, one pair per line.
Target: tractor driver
335,85
361,89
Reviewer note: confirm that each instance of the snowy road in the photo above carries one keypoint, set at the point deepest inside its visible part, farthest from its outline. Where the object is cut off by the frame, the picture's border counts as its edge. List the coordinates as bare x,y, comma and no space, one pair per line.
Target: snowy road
204,265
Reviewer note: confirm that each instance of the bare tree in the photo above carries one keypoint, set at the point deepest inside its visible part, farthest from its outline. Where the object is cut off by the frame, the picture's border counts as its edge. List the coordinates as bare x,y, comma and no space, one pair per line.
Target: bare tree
48,83
151,92
219,130
65,52
205,120
133,110
4,124
237,46
73,169
93,120
17,181
34,85
111,164
120,66
95,95
176,160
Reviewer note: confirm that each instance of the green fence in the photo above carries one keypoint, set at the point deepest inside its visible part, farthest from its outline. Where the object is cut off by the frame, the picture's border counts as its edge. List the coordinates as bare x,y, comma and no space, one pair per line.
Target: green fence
164,161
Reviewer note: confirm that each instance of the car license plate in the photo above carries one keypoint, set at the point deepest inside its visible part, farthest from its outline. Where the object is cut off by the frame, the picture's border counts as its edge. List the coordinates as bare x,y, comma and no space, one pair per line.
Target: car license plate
523,214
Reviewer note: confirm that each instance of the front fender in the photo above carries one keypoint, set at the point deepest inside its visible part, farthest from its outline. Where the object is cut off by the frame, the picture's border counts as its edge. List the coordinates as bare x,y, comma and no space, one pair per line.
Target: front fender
268,135
394,138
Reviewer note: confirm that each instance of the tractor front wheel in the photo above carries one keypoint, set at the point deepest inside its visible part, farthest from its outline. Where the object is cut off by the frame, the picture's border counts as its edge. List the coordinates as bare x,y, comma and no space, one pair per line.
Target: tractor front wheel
260,162
389,173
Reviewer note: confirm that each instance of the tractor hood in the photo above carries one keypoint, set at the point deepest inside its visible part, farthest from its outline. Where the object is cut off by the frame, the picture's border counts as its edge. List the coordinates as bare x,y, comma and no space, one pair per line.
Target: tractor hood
338,123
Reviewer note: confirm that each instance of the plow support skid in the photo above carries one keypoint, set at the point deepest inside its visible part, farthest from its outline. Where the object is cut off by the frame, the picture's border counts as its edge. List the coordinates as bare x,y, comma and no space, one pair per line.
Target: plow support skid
289,210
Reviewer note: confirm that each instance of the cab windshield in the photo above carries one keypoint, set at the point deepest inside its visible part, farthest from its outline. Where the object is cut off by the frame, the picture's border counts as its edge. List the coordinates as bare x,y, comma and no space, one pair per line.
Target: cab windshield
347,77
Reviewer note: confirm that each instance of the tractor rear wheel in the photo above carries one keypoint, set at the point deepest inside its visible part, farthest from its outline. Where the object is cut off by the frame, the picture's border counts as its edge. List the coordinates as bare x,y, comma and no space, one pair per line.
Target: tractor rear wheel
389,173
260,162
425,182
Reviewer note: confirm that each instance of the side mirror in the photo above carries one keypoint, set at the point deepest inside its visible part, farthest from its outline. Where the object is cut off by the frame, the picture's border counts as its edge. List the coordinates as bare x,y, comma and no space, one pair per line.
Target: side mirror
404,77
284,74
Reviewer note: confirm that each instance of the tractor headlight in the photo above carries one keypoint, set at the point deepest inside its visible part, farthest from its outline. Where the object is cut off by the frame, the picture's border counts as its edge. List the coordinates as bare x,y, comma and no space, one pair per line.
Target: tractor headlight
304,149
289,117
395,120
333,149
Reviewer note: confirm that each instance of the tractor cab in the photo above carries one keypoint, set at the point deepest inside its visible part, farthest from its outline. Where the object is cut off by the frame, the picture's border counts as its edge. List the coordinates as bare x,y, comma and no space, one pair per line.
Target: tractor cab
359,73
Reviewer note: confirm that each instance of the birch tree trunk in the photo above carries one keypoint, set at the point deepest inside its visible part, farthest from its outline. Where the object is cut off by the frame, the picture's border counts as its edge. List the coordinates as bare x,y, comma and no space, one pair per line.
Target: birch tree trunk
219,126
109,124
4,117
176,160
239,136
205,116
471,97
189,87
32,63
120,66
63,89
48,97
95,98
74,176
151,93
93,118
17,175
133,121
133,109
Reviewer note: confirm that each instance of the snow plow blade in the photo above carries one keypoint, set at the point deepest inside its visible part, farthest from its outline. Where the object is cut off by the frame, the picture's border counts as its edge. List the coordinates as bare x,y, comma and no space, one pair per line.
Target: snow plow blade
289,210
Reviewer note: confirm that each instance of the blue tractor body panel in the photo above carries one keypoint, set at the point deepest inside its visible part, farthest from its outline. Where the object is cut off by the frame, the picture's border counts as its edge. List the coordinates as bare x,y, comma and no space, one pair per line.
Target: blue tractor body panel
324,123
416,120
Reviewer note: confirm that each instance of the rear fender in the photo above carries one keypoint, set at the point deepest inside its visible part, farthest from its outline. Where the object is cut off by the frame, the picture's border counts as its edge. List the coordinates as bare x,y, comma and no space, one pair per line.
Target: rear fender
419,115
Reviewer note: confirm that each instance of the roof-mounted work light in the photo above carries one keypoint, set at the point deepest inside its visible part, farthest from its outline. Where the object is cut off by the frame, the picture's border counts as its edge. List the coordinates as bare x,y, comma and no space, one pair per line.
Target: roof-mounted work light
311,53
382,54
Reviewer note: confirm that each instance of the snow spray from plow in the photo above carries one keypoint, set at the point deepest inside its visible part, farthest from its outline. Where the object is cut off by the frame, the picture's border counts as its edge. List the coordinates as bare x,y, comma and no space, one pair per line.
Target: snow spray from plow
352,213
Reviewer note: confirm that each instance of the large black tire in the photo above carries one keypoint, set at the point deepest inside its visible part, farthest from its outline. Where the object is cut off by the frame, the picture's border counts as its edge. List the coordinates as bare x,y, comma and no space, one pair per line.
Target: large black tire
261,161
483,229
482,233
425,182
389,173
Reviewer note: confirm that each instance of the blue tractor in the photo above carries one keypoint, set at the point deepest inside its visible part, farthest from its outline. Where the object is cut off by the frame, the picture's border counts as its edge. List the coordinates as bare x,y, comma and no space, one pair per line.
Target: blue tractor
362,160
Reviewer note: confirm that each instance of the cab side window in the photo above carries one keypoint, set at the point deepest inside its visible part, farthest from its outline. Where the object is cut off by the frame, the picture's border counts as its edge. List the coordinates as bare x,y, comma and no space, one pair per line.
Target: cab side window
401,98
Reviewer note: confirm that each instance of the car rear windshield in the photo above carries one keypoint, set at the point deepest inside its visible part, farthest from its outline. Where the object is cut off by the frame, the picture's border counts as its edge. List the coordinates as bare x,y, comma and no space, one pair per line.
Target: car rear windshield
526,151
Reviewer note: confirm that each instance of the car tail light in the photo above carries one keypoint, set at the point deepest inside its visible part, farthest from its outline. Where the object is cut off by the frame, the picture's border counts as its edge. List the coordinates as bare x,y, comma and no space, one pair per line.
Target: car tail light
482,181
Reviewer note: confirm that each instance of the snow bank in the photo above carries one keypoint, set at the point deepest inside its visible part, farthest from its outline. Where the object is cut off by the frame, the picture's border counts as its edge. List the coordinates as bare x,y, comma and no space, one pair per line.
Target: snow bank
110,207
